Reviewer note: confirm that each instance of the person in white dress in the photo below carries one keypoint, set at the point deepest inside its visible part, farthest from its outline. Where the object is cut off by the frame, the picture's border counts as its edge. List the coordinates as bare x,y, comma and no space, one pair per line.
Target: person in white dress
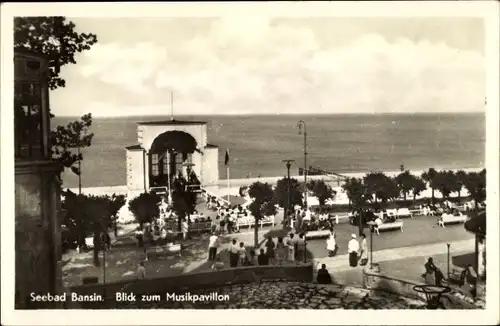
331,244
363,254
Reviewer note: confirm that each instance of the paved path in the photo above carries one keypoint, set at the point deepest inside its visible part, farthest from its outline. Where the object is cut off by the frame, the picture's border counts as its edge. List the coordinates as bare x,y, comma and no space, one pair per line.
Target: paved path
342,273
246,237
342,261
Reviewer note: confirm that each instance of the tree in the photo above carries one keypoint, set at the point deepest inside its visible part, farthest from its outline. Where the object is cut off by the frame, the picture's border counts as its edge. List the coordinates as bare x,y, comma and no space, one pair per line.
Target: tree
183,202
322,191
380,186
57,40
461,177
87,215
53,37
75,218
145,207
446,182
475,183
429,177
359,197
405,181
98,211
116,202
263,204
355,190
418,185
75,134
454,184
281,193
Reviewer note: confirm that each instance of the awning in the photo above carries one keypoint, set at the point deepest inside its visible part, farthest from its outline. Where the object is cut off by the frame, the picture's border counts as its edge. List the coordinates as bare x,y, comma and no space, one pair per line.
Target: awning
477,224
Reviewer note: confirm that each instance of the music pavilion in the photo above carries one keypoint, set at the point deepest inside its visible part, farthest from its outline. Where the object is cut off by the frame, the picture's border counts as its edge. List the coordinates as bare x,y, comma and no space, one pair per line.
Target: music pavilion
168,148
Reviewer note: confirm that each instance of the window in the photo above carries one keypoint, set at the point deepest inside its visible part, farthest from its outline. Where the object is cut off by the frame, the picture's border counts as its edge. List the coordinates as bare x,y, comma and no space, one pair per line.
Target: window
28,131
178,162
165,163
179,159
154,165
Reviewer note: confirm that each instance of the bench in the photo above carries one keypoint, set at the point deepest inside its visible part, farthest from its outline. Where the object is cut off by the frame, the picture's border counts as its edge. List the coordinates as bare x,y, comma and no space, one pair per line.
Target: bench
391,212
317,234
250,221
449,219
404,212
389,226
159,252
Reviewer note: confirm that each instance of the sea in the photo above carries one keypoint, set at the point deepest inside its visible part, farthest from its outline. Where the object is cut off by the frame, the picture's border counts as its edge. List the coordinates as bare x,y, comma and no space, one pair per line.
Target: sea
338,143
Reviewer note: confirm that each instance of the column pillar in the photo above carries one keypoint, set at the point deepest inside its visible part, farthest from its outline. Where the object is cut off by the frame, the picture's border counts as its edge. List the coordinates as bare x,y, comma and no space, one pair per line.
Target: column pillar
146,170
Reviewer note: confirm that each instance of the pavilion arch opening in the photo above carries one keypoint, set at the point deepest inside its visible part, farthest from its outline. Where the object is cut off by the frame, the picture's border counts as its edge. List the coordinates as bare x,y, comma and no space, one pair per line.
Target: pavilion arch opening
171,155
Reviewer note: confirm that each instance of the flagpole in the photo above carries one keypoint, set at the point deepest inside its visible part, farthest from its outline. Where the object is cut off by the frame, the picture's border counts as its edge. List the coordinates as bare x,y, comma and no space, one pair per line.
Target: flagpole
228,183
227,173
168,178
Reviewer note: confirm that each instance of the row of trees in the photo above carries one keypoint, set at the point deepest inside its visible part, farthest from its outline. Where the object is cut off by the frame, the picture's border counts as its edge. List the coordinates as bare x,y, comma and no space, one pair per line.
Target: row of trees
373,190
378,188
286,194
85,215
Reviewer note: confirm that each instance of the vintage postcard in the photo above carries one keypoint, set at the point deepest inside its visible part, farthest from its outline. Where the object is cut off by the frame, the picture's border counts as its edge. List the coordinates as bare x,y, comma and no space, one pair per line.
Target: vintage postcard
250,163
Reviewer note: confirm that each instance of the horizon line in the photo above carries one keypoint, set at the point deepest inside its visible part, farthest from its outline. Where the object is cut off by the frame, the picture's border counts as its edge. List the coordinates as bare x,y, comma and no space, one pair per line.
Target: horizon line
270,114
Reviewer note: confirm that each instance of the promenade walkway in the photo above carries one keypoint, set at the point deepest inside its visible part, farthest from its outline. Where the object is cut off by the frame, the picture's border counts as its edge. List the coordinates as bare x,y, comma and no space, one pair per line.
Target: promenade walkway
342,273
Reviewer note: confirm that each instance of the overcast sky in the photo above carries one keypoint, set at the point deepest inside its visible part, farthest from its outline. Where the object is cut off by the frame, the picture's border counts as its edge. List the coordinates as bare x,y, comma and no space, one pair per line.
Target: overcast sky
261,65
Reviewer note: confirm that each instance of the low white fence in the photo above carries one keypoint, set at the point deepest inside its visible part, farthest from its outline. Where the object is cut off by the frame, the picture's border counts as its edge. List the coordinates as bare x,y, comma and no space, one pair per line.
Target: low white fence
206,194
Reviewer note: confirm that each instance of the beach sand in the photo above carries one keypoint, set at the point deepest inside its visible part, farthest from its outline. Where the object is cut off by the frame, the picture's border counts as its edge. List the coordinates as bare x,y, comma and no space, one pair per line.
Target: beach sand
224,188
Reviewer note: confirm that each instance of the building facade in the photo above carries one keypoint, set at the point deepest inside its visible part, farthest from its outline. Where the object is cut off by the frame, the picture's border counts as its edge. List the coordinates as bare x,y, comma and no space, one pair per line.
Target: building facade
37,185
166,149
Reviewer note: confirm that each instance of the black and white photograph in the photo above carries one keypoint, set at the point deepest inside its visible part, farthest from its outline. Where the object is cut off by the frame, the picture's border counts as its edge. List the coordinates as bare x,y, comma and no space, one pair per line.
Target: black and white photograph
240,157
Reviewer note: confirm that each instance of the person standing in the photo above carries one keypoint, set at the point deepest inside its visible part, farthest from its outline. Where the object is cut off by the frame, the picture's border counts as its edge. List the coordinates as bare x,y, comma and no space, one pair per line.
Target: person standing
353,248
270,245
242,254
139,236
222,224
291,247
295,243
262,259
212,246
363,254
185,228
233,254
215,225
331,244
230,222
141,271
281,251
301,247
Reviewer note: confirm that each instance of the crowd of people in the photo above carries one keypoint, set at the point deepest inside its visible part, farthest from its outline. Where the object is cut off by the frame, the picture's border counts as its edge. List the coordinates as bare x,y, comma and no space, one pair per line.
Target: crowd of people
289,249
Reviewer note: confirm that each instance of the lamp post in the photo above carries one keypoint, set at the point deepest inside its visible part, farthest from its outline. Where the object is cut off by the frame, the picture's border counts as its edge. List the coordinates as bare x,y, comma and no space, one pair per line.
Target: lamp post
371,224
289,201
301,124
169,177
448,260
